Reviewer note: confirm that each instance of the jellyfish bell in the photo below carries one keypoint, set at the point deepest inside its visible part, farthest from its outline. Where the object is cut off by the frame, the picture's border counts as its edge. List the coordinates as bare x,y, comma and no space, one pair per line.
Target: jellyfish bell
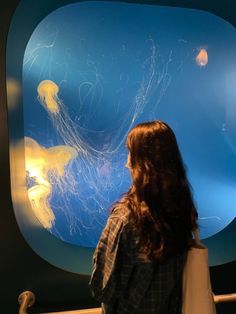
202,58
47,93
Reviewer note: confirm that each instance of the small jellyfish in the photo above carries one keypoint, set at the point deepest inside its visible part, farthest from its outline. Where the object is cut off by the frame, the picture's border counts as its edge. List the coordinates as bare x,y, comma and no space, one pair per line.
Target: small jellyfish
202,58
47,93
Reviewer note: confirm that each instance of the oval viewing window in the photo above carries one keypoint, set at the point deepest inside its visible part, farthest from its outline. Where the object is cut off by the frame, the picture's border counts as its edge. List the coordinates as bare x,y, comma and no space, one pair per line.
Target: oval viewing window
91,71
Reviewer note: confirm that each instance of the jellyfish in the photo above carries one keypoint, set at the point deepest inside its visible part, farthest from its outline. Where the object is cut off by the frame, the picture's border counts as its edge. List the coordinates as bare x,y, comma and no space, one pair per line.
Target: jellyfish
47,92
202,58
41,163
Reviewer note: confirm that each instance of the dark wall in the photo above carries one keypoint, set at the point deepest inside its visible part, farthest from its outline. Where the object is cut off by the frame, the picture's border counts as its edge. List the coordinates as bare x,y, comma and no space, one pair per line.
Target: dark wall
20,268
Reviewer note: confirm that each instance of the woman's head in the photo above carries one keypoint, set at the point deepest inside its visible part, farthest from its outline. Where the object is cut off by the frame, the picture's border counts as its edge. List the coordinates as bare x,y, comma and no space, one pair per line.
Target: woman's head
160,196
153,154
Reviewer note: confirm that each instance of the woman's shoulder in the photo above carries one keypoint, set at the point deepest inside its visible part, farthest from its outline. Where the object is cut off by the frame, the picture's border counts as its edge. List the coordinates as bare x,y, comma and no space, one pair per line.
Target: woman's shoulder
120,211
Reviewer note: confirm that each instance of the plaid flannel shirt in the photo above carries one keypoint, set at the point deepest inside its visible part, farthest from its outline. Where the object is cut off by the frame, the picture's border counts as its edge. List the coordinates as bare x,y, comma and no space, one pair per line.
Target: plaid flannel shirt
125,283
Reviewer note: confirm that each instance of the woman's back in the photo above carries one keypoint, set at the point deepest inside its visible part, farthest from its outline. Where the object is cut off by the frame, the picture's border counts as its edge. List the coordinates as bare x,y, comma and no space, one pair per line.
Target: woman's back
126,281
139,260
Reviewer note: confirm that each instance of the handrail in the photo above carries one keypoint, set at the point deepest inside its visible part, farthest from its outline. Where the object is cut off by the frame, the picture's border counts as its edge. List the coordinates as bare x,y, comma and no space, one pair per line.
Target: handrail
27,298
230,297
97,310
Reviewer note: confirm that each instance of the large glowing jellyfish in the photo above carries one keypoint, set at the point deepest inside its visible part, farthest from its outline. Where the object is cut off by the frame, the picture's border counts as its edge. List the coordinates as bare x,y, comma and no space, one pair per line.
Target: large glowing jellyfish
202,58
47,92
41,163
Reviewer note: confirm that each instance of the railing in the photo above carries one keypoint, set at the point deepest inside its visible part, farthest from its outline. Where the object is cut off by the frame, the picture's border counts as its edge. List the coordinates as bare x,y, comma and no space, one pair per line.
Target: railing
225,297
27,298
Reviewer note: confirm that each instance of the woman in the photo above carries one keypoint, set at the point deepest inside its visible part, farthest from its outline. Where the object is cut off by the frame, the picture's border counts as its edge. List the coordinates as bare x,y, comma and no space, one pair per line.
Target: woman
138,262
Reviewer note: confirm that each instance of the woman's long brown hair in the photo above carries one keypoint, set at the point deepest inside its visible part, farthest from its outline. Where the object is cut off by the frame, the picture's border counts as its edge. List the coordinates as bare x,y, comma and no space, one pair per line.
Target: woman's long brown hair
160,200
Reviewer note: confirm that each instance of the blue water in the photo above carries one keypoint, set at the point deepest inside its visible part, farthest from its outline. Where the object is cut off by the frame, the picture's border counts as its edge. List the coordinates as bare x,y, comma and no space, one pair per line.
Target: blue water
119,64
